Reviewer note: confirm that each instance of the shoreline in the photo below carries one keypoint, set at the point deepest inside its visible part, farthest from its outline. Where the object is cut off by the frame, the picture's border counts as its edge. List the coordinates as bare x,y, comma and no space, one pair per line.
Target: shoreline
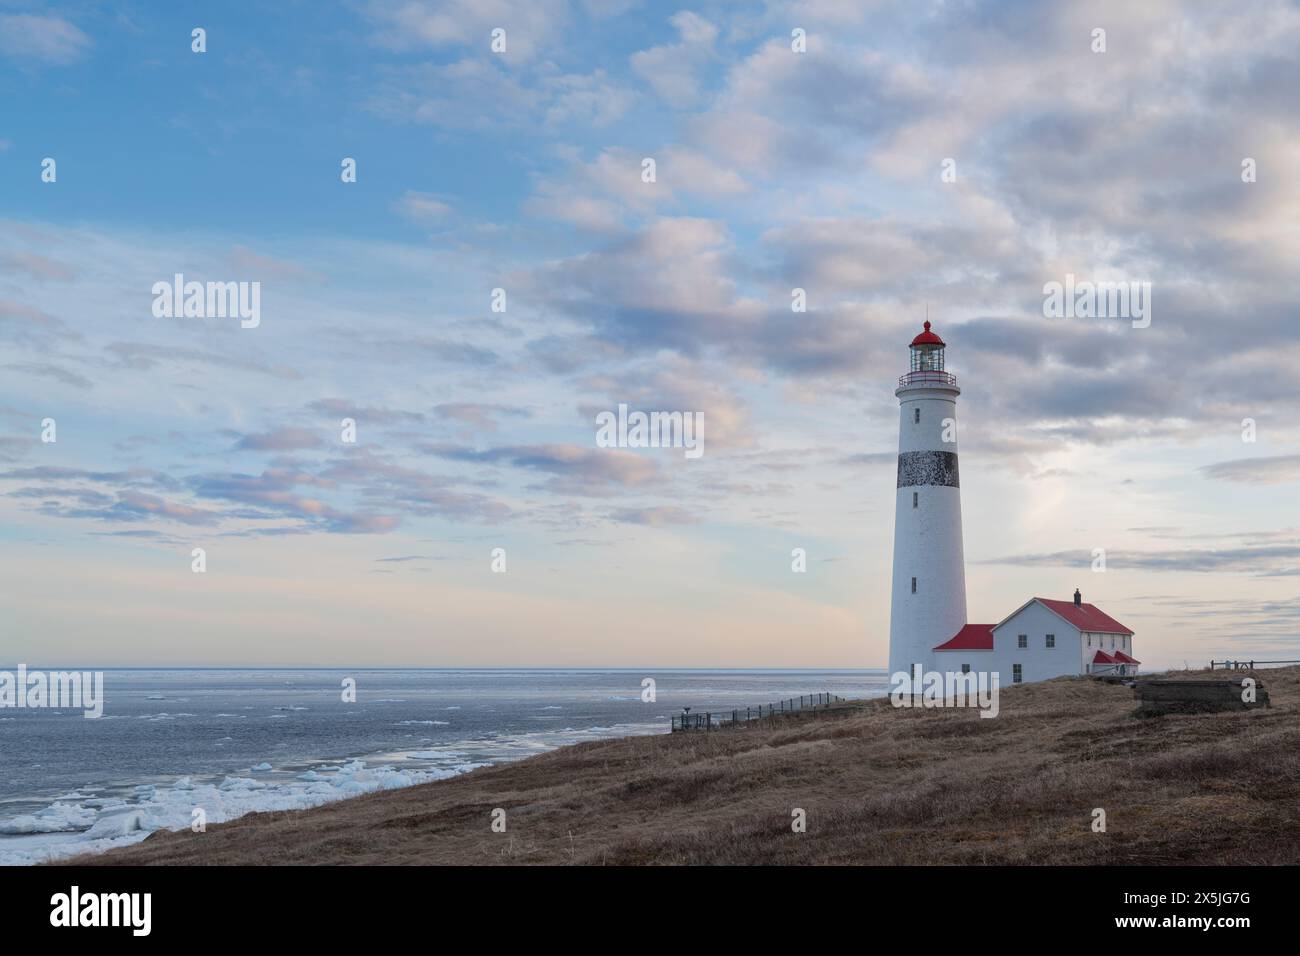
233,743
93,825
876,785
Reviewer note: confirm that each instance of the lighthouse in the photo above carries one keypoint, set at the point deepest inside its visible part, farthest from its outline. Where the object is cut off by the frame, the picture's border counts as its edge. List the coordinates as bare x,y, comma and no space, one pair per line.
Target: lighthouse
928,602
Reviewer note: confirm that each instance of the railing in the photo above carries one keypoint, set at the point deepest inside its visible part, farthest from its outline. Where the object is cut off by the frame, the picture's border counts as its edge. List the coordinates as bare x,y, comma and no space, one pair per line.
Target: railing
1248,665
794,705
927,378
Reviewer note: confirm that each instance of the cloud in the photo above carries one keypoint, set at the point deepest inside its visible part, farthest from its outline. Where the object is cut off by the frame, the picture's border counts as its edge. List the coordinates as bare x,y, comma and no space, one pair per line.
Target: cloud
530,25
48,370
30,326
481,416
1259,560
14,448
281,439
656,517
139,356
273,493
588,101
37,266
1264,470
487,97
247,262
53,492
577,470
387,349
619,290
421,207
126,505
131,477
340,408
674,384
412,491
775,171
132,505
49,40
672,70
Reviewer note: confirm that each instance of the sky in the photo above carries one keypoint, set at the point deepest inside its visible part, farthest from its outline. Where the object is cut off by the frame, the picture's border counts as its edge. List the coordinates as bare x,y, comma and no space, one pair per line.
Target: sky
890,159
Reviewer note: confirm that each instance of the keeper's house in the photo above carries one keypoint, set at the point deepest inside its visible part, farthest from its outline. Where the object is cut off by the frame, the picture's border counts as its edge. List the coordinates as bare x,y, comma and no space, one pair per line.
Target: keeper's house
1041,640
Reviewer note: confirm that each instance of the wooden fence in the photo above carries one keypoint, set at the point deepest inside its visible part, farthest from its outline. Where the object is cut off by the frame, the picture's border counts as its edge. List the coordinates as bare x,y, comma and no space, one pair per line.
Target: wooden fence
1247,665
712,720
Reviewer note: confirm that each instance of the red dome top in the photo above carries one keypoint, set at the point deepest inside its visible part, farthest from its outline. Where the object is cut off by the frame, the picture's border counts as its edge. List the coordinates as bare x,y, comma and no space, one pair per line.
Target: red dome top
927,338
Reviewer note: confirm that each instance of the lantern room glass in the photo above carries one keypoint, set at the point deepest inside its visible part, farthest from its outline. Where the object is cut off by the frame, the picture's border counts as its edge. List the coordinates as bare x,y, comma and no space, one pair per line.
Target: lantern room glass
927,358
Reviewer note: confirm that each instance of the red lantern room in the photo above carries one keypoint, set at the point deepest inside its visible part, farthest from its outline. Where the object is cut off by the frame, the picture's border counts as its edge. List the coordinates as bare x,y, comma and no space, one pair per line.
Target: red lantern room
927,363
927,351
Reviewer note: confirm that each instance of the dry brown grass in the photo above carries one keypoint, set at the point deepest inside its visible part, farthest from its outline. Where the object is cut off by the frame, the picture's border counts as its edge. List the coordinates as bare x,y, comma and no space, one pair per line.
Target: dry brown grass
879,786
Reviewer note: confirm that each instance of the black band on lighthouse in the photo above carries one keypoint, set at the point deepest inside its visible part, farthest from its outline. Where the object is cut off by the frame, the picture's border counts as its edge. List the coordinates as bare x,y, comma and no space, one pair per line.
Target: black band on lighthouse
928,468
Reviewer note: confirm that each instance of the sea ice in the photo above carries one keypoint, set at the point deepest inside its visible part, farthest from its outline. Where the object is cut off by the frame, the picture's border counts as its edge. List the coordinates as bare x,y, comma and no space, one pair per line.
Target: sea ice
117,824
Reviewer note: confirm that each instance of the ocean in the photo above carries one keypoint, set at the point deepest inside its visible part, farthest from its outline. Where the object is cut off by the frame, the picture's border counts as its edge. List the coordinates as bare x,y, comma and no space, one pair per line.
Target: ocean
225,742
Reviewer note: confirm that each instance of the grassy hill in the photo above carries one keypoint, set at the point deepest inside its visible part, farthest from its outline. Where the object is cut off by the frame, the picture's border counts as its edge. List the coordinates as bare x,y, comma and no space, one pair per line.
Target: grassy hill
878,785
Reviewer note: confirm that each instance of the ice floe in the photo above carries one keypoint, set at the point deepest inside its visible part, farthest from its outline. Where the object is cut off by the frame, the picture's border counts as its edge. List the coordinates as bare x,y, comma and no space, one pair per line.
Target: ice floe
170,807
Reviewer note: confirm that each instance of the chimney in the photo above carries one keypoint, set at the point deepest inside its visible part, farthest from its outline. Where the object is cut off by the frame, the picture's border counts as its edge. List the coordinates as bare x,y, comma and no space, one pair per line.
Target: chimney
1078,598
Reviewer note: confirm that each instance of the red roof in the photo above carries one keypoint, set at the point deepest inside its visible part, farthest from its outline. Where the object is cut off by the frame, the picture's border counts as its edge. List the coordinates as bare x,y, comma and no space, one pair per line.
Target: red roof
972,637
1086,617
1125,659
1104,658
927,337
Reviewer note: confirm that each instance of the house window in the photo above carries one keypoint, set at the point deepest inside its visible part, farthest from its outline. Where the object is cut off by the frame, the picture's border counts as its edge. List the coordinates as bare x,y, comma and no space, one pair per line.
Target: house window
1016,675
916,496
965,668
1051,640
1090,640
916,415
1022,640
913,585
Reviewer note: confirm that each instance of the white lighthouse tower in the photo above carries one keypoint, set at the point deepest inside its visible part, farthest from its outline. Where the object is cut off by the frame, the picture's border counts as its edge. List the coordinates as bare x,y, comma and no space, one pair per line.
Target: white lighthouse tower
928,604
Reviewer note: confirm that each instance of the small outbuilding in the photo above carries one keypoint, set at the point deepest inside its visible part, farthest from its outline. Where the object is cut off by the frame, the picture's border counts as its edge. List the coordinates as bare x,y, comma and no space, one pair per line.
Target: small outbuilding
1041,639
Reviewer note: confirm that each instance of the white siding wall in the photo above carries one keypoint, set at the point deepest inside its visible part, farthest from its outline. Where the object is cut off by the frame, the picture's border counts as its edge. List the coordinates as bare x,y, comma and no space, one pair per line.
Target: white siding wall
981,662
1038,662
1090,643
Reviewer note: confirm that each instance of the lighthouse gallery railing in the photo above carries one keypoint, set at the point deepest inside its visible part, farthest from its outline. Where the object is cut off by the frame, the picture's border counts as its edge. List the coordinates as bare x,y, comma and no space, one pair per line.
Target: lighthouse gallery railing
927,378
